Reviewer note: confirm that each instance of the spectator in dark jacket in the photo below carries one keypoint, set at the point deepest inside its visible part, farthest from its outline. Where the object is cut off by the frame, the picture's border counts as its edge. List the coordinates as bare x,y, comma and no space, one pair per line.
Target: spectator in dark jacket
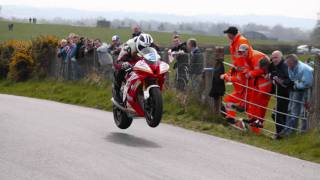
114,49
136,30
218,85
177,50
196,64
279,75
178,45
80,47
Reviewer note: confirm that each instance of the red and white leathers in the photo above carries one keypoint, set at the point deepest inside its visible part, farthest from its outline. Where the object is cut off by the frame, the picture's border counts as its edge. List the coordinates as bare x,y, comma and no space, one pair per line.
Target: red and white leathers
236,75
258,80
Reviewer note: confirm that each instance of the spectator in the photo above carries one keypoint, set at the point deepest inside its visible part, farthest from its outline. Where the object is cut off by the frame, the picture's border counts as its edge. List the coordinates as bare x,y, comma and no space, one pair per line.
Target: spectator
279,75
218,87
136,30
301,76
72,58
177,49
34,20
196,64
80,47
178,45
10,27
63,53
104,58
114,49
30,20
89,46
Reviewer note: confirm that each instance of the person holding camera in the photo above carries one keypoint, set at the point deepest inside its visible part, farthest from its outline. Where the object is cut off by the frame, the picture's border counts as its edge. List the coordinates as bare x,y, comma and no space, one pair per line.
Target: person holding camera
280,79
301,80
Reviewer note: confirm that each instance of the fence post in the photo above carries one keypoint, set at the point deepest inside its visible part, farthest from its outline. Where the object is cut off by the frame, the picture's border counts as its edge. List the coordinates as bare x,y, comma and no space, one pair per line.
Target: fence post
207,81
218,61
314,116
165,58
182,65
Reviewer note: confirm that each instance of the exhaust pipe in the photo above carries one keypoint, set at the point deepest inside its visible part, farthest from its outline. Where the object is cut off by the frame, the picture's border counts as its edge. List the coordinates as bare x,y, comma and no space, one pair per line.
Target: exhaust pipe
122,108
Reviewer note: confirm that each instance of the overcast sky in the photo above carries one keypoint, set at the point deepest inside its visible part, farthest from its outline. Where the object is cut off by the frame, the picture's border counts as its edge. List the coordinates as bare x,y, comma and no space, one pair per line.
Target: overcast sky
291,8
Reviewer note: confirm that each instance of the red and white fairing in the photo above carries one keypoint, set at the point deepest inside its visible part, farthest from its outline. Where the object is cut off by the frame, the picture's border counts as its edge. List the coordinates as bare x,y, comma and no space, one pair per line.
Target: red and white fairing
149,72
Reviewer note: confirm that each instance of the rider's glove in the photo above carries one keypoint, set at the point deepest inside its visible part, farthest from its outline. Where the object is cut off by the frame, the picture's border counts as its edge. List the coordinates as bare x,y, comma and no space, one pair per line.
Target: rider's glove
125,66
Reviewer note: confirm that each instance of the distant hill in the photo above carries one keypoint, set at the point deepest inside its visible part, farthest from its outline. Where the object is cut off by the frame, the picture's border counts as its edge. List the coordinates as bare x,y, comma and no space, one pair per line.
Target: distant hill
52,13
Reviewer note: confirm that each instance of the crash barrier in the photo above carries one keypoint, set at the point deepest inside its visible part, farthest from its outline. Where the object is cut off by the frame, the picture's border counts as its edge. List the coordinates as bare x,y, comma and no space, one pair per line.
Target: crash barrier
304,116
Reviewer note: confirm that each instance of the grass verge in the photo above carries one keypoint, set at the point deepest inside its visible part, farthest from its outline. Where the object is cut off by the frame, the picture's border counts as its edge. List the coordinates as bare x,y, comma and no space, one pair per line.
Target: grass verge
187,114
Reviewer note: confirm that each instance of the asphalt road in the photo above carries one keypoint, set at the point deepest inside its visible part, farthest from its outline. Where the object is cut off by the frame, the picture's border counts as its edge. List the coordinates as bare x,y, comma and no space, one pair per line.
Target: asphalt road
43,140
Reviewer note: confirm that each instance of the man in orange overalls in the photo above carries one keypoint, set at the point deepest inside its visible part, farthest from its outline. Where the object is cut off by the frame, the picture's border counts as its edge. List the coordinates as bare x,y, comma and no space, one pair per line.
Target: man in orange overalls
232,101
258,80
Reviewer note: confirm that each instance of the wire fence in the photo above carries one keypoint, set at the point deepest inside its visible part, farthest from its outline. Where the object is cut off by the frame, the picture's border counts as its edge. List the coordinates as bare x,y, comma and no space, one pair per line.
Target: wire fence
183,78
82,67
304,117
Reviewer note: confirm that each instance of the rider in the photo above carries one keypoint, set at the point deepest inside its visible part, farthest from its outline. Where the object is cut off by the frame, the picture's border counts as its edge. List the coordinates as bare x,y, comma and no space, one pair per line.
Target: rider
127,58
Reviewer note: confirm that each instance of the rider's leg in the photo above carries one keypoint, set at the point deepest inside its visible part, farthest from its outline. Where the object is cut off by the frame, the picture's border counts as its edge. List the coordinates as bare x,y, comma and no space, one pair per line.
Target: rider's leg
117,82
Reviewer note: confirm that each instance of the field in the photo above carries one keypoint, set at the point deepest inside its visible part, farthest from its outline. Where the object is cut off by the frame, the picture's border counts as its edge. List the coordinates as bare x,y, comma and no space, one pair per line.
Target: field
25,31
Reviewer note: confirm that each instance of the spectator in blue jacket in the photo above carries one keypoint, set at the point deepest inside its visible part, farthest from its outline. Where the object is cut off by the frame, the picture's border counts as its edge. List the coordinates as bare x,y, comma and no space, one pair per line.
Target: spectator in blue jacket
62,54
72,58
301,76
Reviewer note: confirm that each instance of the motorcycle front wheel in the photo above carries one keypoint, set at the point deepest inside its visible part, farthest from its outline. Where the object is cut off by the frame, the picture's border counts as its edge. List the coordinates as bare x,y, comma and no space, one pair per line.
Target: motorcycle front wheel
154,108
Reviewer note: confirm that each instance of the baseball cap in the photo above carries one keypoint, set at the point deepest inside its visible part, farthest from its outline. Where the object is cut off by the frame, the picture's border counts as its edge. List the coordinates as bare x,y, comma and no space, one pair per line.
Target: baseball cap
115,38
243,48
231,30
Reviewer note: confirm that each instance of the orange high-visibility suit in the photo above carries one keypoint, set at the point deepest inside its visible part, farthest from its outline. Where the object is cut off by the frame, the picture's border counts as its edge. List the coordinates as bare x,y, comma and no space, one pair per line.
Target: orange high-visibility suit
236,75
258,81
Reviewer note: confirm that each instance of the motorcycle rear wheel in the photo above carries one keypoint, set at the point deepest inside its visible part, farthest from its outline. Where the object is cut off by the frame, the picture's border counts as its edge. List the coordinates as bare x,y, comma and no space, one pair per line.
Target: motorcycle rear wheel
121,119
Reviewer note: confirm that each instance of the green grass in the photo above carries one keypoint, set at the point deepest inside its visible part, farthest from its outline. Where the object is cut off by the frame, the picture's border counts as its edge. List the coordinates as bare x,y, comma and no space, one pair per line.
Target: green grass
25,31
193,116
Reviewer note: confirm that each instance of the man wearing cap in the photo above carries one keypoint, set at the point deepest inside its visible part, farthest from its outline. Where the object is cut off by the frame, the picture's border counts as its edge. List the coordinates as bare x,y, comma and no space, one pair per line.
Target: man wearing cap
236,39
114,49
257,79
236,74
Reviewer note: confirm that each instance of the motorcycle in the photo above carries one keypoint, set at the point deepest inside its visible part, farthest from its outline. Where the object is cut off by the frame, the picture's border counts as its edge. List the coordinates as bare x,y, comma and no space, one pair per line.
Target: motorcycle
141,94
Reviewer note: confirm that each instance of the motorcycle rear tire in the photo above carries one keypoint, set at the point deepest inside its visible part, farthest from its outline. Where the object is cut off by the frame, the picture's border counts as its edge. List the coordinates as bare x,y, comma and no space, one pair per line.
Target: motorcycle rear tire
121,119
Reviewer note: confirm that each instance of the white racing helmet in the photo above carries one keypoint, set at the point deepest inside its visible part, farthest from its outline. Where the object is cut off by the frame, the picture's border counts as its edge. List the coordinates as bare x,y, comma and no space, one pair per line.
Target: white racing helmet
143,41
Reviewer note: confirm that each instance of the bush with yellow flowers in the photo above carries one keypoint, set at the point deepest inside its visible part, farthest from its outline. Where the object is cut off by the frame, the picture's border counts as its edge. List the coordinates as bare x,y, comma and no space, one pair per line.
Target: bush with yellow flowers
7,51
21,66
44,53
